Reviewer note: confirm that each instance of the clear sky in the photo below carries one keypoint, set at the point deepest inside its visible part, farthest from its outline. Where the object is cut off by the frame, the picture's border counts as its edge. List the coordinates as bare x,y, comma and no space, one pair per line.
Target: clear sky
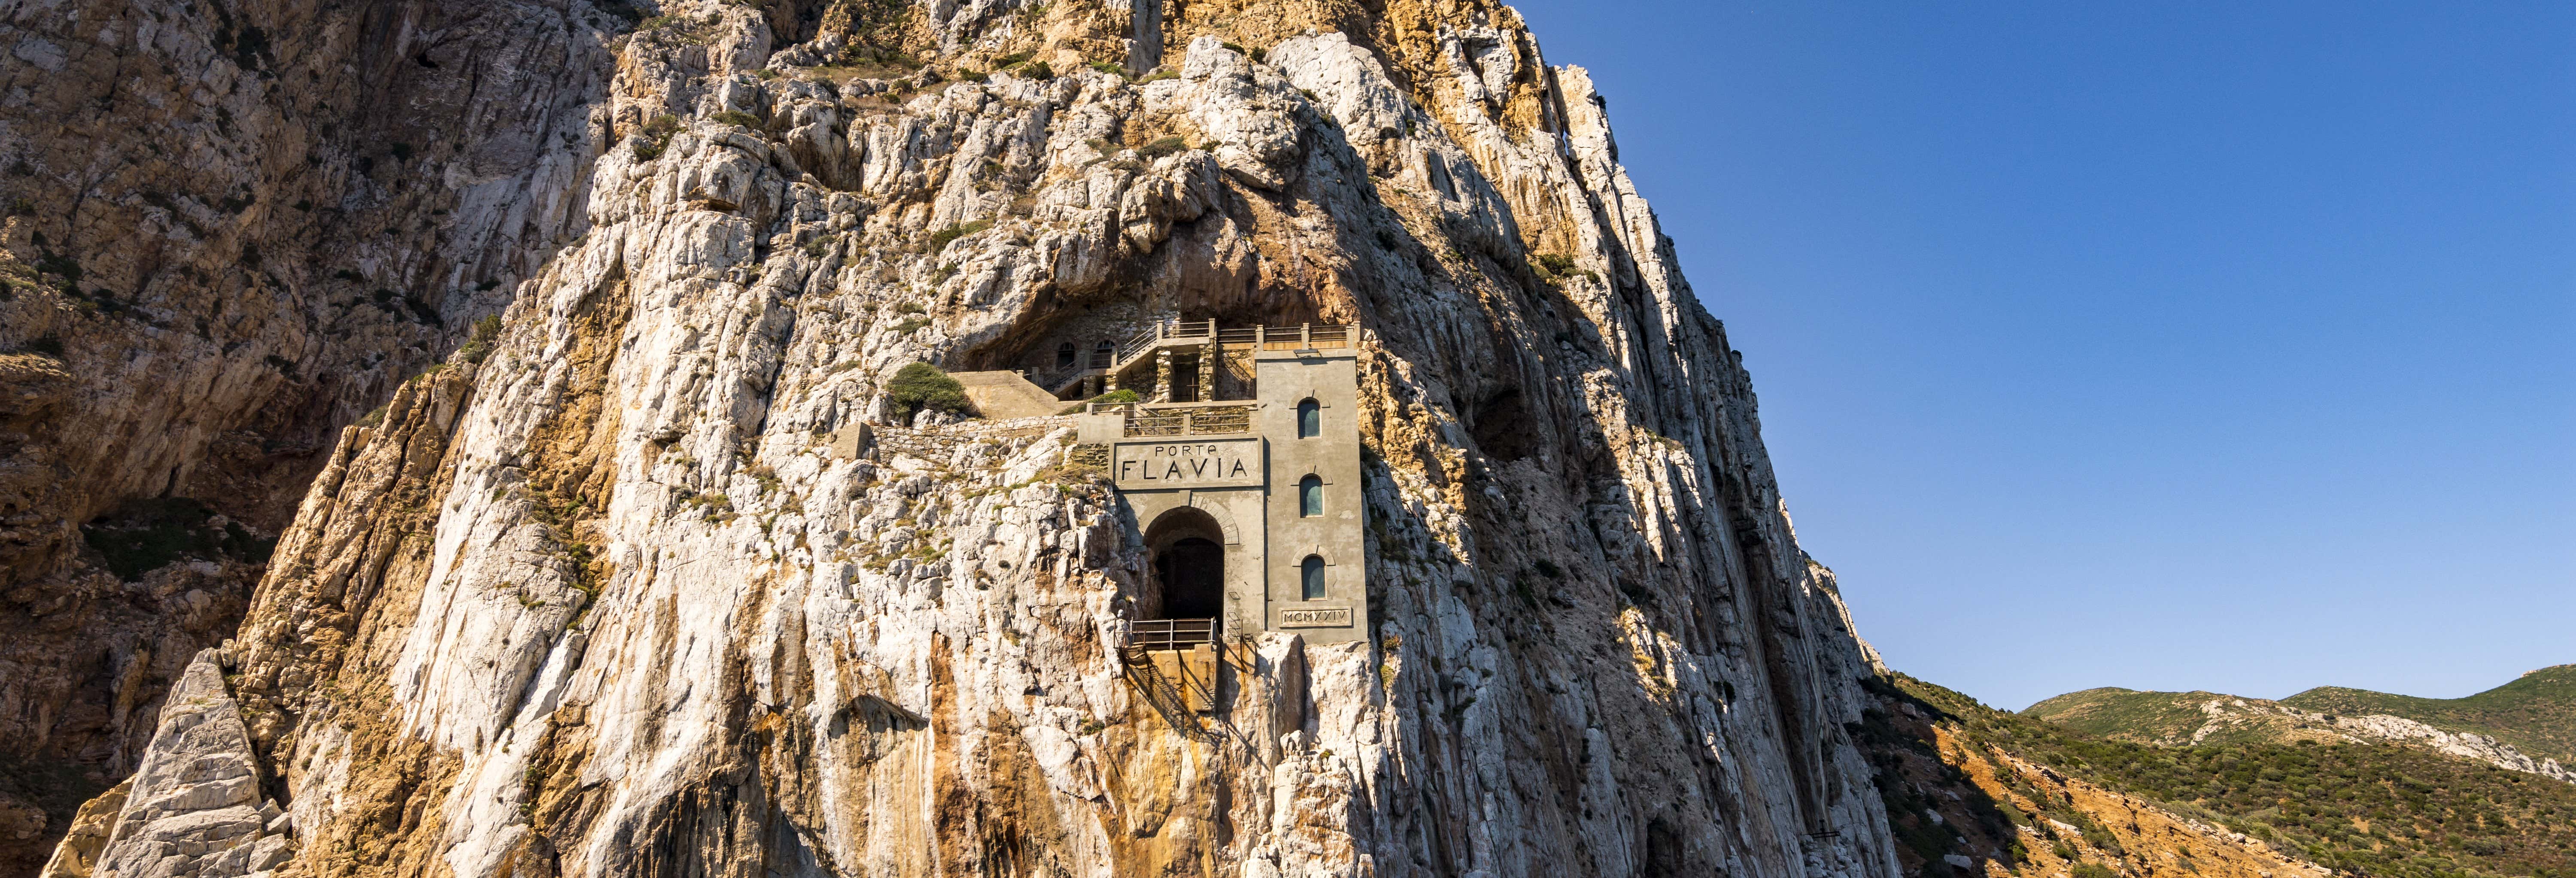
2224,346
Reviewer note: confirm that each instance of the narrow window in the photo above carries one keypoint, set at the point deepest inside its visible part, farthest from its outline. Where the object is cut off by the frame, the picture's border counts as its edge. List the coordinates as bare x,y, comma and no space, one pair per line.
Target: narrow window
1102,355
1313,573
1064,355
1310,496
1310,419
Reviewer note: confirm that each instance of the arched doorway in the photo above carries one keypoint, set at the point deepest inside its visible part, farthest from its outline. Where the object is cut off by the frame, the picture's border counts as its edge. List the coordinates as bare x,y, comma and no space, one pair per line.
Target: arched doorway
1189,564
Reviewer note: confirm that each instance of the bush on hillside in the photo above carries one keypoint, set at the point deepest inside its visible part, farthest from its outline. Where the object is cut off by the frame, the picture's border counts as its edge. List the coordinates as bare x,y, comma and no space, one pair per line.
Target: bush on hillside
922,386
1120,395
480,345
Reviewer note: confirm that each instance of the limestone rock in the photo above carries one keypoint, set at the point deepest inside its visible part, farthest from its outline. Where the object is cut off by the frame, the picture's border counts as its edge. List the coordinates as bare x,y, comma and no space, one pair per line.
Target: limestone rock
230,229
653,581
194,807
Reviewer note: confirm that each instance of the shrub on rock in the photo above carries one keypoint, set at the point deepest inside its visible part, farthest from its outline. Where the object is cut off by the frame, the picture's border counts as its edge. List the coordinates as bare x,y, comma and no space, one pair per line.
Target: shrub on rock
922,386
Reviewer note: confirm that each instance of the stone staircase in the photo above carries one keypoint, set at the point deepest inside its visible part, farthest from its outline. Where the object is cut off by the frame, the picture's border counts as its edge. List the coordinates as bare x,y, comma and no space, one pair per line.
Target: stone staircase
1002,396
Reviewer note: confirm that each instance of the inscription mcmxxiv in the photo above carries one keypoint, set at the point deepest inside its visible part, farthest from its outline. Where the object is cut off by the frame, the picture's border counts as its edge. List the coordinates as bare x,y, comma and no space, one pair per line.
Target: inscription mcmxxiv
1315,617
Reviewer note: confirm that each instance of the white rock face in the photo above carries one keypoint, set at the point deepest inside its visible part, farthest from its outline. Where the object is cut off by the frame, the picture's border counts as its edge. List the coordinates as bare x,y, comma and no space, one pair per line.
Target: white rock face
194,807
2227,713
626,598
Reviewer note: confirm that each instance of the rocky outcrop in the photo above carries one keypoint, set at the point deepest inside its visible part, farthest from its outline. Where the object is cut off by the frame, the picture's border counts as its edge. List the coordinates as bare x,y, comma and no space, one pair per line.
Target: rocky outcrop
655,582
195,806
2228,714
231,228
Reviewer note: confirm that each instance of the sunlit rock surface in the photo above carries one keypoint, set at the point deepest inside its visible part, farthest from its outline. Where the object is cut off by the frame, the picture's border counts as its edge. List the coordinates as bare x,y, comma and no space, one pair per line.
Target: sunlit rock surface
618,591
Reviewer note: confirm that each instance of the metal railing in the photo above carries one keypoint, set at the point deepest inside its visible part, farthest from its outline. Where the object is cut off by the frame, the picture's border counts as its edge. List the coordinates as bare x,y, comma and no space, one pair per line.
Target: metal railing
1162,331
1308,336
1305,336
1170,633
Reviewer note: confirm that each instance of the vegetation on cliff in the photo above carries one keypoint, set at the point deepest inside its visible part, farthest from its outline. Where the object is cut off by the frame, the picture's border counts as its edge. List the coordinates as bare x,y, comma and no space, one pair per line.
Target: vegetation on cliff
2362,809
2535,714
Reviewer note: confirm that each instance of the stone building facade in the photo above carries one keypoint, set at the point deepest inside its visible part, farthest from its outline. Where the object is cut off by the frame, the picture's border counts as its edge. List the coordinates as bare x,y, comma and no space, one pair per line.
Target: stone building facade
1250,508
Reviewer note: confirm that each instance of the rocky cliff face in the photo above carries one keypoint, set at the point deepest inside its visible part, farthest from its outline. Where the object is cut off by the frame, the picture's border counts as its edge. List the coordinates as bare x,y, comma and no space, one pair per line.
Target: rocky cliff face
621,590
231,228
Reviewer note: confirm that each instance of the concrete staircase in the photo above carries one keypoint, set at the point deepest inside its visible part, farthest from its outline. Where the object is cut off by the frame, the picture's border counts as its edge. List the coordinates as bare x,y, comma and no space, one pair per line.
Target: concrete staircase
1001,396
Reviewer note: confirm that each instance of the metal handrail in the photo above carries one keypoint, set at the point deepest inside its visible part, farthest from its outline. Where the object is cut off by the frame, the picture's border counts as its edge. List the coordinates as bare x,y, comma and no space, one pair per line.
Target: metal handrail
1161,331
1305,336
1271,338
1170,633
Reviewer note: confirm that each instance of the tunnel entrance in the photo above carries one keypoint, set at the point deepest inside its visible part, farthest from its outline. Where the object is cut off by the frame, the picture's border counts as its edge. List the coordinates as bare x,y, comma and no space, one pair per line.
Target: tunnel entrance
1193,572
1189,564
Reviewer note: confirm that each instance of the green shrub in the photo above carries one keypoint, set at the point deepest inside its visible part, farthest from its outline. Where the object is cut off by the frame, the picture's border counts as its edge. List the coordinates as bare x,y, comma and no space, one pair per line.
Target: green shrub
940,239
1556,267
480,346
971,74
1038,70
147,535
1109,67
1114,396
657,137
2094,870
1158,77
1163,147
1007,60
923,386
737,117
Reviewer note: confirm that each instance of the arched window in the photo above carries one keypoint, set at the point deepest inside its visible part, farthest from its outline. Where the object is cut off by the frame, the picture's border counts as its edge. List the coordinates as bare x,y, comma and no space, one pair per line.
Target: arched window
1310,419
1104,355
1310,496
1312,573
1064,355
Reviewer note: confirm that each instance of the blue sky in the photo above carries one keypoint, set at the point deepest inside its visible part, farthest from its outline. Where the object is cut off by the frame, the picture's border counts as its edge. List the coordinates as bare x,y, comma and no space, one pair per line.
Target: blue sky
2166,346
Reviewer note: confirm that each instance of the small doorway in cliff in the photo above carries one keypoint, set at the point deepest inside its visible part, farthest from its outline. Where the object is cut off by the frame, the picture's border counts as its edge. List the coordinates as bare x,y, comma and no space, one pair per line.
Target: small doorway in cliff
1185,380
1189,565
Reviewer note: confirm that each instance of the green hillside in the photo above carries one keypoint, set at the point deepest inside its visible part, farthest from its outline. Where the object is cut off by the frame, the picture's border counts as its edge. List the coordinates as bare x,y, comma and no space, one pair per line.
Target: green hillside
2536,714
2128,714
2361,809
